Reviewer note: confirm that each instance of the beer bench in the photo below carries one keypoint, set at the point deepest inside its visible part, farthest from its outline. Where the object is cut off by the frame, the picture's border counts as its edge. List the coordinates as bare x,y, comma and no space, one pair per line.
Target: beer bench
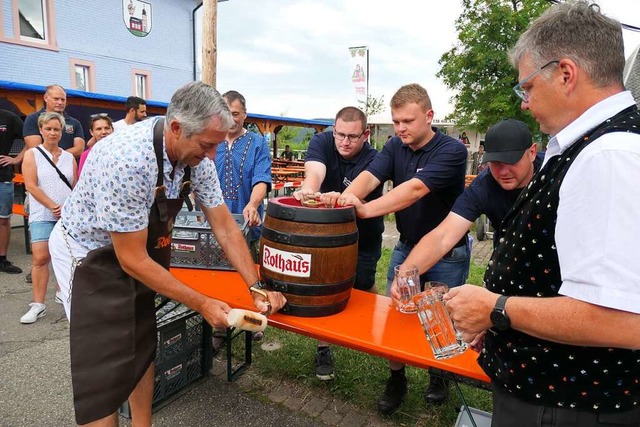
370,324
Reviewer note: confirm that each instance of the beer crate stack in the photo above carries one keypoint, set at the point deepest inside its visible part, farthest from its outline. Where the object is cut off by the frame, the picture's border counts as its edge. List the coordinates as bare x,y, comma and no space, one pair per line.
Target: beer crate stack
183,353
195,246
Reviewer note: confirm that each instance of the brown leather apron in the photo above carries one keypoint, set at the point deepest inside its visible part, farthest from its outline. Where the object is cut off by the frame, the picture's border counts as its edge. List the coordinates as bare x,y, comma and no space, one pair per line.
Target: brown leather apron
113,322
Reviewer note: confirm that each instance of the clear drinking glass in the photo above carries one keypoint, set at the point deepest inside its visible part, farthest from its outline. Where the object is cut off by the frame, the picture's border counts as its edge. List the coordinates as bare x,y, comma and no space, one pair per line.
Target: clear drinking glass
443,338
408,281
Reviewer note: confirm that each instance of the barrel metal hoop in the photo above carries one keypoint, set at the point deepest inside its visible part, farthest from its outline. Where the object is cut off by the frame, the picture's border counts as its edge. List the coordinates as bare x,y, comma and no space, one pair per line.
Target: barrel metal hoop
311,215
310,241
315,310
309,289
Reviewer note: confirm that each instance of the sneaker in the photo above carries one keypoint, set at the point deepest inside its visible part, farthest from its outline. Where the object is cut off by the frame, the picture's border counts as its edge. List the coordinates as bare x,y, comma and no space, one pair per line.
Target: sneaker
58,297
7,267
394,393
27,278
36,311
324,364
437,391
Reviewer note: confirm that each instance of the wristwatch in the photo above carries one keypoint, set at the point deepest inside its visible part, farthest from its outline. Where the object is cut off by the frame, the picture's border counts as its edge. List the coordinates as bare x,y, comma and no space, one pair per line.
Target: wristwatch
259,287
499,316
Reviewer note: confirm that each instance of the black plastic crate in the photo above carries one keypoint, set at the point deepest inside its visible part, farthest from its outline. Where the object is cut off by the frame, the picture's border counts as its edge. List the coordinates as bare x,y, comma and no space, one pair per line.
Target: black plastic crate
193,245
181,357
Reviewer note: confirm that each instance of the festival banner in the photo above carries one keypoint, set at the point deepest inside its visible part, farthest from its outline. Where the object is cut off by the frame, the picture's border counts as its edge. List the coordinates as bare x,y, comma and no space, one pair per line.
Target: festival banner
359,67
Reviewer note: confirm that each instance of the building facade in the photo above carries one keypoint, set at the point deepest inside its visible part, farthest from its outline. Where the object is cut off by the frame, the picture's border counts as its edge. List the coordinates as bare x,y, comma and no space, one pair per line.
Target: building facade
116,47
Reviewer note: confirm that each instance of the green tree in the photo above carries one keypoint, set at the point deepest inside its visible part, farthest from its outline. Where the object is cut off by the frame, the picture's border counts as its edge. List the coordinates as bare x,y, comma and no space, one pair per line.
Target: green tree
372,106
286,135
478,67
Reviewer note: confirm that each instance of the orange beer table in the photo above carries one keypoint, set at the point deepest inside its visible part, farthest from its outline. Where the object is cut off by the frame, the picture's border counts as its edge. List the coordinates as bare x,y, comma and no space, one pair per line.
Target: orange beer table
369,323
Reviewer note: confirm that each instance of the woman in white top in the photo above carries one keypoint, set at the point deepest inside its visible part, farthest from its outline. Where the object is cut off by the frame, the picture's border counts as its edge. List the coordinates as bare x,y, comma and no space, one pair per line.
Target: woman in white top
47,193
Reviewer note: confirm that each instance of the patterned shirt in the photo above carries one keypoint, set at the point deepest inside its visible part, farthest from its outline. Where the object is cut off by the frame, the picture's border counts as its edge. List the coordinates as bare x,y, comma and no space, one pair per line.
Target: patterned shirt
240,167
116,190
528,262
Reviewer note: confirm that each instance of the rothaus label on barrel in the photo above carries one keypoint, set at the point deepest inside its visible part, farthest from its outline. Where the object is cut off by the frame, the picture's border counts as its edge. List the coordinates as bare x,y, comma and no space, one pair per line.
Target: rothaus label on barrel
283,262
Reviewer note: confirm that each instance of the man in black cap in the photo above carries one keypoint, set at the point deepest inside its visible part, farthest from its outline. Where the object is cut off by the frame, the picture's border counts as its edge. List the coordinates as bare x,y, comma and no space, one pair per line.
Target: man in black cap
512,163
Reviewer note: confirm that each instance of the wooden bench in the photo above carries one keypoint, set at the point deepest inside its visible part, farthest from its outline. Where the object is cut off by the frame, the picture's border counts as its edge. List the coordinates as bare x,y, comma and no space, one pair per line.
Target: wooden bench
370,324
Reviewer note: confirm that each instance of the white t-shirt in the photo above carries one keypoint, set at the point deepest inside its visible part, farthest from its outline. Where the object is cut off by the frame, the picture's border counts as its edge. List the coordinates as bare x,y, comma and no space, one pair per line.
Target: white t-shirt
119,125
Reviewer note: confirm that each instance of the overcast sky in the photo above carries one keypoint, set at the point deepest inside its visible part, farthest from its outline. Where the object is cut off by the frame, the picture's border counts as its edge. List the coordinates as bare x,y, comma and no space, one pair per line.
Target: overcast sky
290,57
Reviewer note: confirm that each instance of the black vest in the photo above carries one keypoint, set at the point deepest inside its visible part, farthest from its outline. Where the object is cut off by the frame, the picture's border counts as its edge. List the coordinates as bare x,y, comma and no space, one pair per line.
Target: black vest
525,263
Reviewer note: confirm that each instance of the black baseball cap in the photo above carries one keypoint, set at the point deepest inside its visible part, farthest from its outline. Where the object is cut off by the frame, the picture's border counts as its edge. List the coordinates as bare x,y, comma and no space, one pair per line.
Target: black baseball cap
506,141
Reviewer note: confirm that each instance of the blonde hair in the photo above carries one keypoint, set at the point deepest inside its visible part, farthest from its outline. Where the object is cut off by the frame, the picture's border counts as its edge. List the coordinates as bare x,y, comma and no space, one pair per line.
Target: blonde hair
411,93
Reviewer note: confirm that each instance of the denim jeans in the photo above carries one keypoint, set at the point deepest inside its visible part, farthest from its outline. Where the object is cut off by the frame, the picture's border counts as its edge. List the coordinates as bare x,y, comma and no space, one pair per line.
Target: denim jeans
366,268
451,270
6,199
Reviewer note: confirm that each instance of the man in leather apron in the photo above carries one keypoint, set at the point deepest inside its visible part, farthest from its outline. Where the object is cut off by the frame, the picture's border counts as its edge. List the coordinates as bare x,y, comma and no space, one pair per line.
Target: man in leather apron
111,250
561,305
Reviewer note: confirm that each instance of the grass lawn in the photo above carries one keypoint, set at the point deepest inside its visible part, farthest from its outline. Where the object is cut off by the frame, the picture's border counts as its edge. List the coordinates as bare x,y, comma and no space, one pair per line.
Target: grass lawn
360,378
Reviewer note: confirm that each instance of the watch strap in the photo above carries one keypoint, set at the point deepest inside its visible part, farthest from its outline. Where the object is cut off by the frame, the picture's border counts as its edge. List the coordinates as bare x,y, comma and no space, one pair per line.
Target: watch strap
500,303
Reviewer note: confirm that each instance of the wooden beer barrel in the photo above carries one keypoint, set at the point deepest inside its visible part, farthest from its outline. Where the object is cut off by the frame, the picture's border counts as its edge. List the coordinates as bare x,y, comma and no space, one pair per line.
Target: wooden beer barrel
309,254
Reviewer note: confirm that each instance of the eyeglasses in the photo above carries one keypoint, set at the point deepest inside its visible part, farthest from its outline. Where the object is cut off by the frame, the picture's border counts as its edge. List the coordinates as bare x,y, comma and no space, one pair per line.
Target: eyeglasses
520,91
341,136
99,115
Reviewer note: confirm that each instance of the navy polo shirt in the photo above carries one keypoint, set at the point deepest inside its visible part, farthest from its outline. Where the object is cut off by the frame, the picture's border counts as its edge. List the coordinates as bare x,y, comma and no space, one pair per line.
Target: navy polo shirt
440,165
10,130
485,196
340,173
72,129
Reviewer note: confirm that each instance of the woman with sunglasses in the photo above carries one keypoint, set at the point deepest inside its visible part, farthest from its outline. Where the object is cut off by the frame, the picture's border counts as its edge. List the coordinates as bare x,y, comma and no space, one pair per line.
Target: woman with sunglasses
100,126
49,174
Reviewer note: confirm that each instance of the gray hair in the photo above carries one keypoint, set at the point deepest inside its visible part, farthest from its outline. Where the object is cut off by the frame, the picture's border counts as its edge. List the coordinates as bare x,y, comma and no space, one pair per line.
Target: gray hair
194,105
578,31
47,117
234,95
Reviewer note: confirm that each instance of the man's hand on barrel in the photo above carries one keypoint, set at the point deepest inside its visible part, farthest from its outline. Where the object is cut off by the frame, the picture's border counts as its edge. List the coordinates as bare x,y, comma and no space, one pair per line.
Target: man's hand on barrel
348,199
304,194
329,199
215,312
268,302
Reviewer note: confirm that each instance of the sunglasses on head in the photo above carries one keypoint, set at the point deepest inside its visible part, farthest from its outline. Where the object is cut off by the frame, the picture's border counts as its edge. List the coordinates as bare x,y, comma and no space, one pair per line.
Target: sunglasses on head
99,115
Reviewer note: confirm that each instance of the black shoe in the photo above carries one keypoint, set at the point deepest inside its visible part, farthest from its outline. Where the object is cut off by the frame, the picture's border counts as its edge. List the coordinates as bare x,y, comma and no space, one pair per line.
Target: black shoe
394,393
438,390
27,278
324,364
7,267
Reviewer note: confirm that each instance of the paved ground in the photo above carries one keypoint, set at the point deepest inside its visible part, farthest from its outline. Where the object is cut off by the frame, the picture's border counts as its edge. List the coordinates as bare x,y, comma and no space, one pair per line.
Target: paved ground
35,386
